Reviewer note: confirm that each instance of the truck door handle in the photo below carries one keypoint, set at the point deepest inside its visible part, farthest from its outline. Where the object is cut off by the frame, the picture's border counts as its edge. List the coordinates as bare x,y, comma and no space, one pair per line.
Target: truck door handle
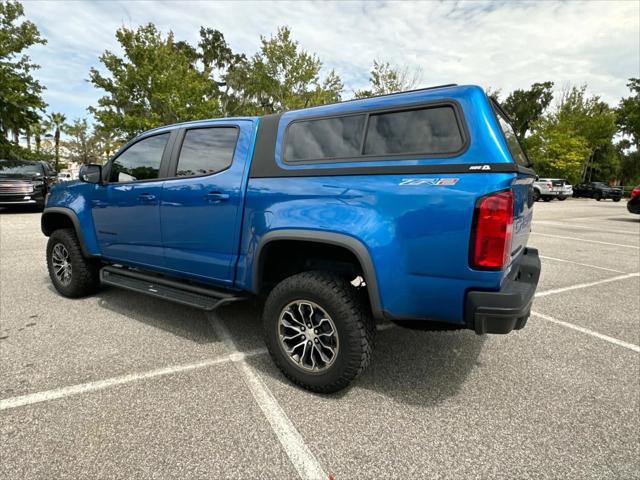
146,197
215,197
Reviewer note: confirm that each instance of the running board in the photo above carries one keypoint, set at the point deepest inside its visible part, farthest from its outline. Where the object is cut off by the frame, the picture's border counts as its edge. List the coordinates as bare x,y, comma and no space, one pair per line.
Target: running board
161,287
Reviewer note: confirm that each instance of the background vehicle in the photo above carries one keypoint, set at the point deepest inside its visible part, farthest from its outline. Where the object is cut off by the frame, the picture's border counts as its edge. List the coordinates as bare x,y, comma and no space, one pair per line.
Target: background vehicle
295,206
549,188
633,205
598,191
65,176
25,183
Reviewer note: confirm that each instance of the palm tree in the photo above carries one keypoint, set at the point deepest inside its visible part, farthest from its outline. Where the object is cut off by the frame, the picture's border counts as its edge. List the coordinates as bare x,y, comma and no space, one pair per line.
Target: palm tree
56,120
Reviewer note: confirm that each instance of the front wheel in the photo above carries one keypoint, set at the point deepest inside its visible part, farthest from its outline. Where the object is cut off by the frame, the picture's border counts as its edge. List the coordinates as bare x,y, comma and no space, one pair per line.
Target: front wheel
318,330
616,199
562,198
598,196
71,273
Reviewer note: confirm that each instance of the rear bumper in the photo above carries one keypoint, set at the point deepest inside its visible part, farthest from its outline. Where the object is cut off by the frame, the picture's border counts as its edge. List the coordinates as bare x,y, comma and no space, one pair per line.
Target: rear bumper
509,308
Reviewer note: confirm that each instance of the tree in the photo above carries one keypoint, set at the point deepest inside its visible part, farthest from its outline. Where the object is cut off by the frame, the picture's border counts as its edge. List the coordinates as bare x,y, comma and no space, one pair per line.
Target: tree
628,121
557,151
281,76
20,92
386,79
524,107
56,123
81,143
628,113
581,125
157,82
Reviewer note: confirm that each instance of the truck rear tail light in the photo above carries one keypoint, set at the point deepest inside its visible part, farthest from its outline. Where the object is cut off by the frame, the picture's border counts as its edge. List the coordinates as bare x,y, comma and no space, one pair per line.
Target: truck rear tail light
492,231
635,192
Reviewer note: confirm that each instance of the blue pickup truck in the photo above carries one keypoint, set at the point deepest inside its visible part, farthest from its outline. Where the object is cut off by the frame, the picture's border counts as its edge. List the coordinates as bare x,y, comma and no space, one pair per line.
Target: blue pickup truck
413,207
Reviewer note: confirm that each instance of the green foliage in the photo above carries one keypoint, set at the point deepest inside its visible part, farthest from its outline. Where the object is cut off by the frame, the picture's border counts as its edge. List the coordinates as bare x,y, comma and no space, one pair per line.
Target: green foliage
524,107
81,144
628,114
386,79
281,76
575,140
20,92
159,81
557,151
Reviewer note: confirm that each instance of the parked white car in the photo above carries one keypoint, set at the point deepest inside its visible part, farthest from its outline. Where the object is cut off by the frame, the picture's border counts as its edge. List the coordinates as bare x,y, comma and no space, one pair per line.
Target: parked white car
549,188
65,177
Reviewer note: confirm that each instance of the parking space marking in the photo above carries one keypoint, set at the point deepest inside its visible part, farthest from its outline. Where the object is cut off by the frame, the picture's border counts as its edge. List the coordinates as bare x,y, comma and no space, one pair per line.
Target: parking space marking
63,392
302,458
606,338
585,285
571,225
585,240
581,264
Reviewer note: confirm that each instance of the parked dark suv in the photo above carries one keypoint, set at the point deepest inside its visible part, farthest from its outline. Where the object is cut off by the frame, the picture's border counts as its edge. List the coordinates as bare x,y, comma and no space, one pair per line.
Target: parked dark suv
597,190
25,183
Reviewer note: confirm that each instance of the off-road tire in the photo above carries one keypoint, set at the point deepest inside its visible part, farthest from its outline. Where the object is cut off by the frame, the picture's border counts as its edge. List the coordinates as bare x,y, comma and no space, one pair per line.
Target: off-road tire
536,195
352,319
85,273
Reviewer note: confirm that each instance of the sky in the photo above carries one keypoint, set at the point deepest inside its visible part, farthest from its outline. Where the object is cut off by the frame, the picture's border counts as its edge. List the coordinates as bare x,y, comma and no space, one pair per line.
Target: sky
503,44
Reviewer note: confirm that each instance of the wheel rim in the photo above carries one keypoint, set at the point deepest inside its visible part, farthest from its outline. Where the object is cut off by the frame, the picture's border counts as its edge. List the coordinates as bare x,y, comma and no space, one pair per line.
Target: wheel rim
61,264
308,336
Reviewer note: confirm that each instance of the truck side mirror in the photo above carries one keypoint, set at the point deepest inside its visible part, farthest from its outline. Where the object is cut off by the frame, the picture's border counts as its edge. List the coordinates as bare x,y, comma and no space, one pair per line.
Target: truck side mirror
91,173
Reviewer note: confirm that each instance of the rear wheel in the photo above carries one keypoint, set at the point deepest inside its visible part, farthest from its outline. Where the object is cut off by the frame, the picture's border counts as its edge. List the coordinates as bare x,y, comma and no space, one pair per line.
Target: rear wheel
546,199
536,195
598,196
616,199
71,273
562,198
318,330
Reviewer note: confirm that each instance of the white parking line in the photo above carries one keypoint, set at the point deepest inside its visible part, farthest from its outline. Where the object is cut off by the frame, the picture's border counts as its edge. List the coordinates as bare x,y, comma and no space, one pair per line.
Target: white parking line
583,227
585,240
63,392
581,264
585,285
298,452
606,338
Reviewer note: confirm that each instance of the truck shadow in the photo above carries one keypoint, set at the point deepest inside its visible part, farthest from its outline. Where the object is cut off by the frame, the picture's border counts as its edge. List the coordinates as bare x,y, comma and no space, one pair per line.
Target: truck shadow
408,366
185,322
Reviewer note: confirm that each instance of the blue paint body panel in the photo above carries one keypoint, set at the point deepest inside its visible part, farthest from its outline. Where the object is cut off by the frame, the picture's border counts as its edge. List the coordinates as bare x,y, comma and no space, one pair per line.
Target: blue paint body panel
415,230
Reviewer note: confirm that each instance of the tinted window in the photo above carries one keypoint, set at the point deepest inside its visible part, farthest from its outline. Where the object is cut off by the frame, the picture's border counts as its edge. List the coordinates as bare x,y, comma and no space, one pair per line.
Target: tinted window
206,150
141,161
324,138
428,131
512,141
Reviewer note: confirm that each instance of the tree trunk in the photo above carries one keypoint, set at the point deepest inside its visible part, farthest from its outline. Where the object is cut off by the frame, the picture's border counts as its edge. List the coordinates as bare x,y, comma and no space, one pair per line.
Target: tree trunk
56,137
38,142
28,134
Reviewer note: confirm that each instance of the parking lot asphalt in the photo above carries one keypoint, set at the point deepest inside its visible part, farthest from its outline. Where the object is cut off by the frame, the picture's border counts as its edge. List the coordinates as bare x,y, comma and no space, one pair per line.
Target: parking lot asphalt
119,385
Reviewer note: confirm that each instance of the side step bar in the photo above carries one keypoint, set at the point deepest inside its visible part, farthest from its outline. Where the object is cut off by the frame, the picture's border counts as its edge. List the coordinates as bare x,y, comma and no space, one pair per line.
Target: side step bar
161,287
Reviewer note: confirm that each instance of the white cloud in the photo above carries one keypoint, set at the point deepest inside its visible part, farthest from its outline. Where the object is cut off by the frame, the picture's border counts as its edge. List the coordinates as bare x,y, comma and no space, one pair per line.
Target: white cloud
504,45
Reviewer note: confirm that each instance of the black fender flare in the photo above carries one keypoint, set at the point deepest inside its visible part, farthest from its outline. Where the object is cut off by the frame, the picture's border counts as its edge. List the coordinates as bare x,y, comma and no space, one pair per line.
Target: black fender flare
71,215
350,243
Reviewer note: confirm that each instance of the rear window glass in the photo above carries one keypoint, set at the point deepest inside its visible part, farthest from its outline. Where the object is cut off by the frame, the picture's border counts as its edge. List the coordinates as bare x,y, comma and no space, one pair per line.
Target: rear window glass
428,131
512,141
337,137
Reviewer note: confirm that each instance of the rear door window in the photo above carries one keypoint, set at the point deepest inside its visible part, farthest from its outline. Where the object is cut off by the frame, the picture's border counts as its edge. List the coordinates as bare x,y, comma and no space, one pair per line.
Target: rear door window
206,150
422,131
